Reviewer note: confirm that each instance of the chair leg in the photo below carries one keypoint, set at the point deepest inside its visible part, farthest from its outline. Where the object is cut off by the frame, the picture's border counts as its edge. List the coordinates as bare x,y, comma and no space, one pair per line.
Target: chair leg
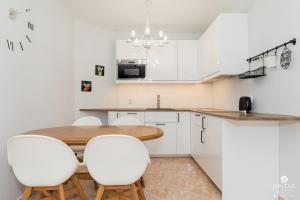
27,193
78,187
61,192
143,182
134,192
95,185
100,192
141,190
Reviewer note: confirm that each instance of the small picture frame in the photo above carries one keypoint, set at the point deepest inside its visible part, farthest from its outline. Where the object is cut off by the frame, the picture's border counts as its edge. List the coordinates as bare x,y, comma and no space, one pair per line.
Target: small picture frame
99,70
86,86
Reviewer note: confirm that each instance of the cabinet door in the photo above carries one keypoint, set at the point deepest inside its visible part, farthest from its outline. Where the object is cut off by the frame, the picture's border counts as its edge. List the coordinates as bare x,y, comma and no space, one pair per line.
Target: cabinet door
196,128
183,133
112,116
211,154
162,63
126,50
166,145
188,68
213,49
139,115
209,51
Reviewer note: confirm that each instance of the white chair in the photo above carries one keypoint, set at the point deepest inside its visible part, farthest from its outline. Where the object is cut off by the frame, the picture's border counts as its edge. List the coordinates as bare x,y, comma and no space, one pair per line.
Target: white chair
43,164
84,121
87,121
127,121
117,162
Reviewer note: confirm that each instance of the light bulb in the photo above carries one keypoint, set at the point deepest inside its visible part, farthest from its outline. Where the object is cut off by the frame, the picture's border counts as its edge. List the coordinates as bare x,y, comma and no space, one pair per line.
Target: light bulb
161,34
147,31
133,33
165,38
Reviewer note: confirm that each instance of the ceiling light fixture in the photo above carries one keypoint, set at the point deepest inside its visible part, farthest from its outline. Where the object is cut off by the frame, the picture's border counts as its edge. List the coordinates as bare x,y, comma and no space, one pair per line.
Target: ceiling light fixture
146,40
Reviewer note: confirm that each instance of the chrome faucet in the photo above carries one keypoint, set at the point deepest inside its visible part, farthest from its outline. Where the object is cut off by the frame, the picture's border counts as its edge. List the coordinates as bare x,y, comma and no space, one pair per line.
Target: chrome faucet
158,101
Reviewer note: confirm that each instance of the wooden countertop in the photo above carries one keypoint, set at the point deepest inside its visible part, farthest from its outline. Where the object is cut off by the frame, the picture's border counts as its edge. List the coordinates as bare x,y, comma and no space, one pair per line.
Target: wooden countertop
233,115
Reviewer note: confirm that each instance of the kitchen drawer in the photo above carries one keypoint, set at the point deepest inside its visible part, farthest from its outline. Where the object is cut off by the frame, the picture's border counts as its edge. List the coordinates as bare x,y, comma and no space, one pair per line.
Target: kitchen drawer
153,117
196,118
139,115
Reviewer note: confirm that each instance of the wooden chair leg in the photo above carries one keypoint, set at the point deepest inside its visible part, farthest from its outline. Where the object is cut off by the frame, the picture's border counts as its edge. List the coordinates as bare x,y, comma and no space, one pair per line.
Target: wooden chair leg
134,192
61,192
95,185
27,193
142,181
100,192
141,190
78,187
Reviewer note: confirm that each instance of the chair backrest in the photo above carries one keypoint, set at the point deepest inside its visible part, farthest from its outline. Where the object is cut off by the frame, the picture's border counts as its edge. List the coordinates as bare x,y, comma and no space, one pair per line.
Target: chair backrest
127,120
40,160
87,121
116,159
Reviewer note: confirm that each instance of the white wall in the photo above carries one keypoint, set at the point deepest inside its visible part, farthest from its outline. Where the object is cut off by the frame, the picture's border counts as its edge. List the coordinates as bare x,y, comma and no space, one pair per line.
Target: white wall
271,23
94,45
37,84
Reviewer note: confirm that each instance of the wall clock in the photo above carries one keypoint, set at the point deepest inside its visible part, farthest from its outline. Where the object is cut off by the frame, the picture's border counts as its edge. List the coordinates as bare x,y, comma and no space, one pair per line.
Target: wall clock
25,39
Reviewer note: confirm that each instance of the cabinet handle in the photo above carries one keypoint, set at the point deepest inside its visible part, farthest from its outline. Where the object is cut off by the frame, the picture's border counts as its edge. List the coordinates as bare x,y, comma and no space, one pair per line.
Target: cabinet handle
117,115
197,115
132,113
178,117
202,138
203,121
160,124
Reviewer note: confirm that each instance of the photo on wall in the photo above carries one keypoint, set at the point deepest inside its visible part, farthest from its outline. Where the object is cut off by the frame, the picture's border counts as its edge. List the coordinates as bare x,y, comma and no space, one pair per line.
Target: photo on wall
86,86
99,70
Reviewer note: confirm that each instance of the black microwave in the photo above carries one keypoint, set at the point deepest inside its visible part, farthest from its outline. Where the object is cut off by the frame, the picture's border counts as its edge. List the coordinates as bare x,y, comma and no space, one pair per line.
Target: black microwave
128,69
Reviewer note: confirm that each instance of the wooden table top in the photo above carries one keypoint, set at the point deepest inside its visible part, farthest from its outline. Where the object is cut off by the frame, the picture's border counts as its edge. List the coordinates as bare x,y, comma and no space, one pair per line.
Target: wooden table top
80,135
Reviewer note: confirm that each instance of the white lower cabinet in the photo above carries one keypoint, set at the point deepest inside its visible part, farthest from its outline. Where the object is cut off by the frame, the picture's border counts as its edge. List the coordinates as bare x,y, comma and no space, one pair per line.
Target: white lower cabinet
175,126
183,133
112,116
206,145
196,128
166,145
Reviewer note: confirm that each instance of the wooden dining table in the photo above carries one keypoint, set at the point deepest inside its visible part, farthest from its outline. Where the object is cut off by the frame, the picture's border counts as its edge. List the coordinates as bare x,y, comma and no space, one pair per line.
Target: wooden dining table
80,135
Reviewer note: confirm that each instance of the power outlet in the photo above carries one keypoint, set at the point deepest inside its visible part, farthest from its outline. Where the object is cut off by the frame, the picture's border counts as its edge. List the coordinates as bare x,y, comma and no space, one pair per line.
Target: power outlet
130,101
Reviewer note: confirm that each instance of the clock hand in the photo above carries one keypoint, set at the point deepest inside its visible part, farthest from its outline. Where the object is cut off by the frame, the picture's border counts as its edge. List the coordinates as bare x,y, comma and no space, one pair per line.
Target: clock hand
21,46
8,45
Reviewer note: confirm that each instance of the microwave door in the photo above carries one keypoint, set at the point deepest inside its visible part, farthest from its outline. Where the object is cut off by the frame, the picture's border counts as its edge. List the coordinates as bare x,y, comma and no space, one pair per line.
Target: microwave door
131,71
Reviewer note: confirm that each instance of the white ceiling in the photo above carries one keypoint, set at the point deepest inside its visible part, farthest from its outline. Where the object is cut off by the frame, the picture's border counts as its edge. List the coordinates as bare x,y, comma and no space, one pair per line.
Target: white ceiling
192,16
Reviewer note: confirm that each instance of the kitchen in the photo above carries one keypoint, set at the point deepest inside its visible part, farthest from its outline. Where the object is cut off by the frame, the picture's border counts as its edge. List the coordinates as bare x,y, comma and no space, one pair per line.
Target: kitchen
195,105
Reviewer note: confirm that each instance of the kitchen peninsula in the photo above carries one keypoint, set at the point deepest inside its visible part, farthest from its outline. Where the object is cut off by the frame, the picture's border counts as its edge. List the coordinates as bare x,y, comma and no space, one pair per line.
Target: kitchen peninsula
228,145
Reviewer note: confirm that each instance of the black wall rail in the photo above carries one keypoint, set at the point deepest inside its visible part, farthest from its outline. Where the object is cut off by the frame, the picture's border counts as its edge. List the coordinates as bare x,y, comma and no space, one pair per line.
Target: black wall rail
293,41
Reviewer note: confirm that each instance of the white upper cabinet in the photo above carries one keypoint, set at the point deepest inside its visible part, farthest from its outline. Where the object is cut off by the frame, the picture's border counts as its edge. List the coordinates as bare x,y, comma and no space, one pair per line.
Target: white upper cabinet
126,50
162,62
223,48
188,69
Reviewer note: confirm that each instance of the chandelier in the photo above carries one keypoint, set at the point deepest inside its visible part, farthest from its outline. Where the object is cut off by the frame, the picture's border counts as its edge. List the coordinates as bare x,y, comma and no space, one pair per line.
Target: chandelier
147,39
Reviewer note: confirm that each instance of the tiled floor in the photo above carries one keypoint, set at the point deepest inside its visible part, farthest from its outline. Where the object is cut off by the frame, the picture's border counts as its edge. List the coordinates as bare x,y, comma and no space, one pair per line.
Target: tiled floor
171,179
